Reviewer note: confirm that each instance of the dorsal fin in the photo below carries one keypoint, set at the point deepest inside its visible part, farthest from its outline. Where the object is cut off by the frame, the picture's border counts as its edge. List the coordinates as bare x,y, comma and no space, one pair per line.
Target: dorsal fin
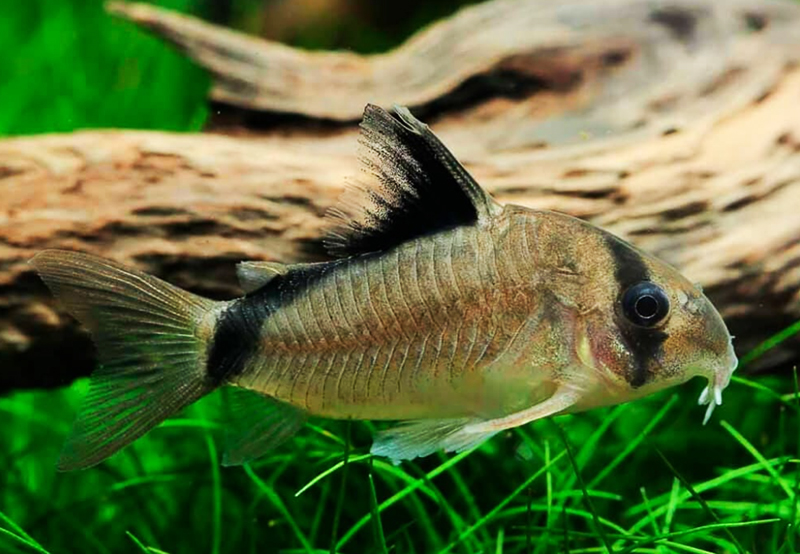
254,275
415,186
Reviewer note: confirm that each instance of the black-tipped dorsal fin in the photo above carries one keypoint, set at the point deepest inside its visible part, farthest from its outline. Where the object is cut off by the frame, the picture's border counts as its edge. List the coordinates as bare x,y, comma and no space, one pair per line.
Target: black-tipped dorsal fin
414,187
254,275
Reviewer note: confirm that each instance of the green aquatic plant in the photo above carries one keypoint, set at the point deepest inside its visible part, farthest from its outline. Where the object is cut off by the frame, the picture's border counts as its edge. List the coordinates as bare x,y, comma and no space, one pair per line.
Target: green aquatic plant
70,65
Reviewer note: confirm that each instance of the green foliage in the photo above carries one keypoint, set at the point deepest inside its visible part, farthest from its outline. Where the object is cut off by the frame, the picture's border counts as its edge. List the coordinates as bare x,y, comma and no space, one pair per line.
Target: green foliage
68,65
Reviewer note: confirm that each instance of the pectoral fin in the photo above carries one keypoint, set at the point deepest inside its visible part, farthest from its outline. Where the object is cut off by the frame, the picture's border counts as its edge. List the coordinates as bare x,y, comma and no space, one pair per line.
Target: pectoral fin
256,424
416,439
421,438
562,399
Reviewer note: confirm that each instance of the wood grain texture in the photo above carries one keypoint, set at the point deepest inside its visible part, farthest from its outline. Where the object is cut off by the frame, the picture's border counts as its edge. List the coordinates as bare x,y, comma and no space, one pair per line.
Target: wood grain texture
674,124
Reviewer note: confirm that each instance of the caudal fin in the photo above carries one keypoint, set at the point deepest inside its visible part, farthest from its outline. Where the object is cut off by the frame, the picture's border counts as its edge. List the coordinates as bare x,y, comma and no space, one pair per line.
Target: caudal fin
150,346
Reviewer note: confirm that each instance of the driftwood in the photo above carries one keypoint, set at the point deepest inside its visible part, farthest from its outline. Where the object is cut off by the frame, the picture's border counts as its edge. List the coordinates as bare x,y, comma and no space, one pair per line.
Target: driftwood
675,124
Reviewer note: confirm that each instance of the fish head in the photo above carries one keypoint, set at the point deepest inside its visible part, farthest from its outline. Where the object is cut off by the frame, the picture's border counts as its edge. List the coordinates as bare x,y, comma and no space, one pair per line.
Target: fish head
673,333
641,325
662,329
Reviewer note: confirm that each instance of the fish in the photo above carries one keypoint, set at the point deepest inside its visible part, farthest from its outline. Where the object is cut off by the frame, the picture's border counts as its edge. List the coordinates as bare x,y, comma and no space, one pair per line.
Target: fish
439,309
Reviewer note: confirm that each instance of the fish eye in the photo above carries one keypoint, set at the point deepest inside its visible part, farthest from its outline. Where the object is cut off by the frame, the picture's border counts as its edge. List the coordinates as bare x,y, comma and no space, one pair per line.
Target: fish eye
645,304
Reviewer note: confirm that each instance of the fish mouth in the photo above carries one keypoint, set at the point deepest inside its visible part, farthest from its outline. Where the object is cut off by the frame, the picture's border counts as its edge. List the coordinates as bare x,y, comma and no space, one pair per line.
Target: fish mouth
712,394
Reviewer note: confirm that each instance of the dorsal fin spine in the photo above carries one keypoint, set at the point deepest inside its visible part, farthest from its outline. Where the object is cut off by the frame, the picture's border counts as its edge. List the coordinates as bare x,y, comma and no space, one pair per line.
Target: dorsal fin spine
418,187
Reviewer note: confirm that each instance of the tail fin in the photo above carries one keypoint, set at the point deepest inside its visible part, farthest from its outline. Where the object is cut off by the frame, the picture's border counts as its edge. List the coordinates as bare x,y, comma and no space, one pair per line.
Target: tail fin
150,346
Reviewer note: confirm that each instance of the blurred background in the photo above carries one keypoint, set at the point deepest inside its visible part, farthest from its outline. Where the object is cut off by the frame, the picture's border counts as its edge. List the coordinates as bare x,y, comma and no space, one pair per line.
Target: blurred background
66,64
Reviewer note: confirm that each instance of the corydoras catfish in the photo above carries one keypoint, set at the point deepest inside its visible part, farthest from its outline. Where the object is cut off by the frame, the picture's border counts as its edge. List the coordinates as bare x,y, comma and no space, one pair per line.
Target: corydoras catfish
441,308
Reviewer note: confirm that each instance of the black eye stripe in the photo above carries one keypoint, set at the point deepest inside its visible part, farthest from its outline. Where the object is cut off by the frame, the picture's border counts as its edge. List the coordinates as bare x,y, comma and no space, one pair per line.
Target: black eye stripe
629,267
644,344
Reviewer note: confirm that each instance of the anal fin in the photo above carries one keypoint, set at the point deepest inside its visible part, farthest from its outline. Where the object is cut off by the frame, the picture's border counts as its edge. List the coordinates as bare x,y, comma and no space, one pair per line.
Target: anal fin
257,423
416,439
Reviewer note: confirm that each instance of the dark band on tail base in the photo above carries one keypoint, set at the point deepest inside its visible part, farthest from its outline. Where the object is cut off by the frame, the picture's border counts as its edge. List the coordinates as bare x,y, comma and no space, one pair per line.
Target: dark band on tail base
236,338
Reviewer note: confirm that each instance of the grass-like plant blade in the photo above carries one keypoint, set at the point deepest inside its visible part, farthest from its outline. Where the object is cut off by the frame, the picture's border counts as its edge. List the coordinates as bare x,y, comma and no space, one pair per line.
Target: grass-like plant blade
408,489
646,502
586,498
20,533
761,459
216,503
276,501
335,467
786,400
321,431
142,547
497,509
138,543
501,535
473,512
377,526
698,530
190,423
716,482
342,488
685,548
770,343
548,479
431,490
672,505
577,512
319,512
396,472
21,540
702,502
589,446
793,528
634,443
